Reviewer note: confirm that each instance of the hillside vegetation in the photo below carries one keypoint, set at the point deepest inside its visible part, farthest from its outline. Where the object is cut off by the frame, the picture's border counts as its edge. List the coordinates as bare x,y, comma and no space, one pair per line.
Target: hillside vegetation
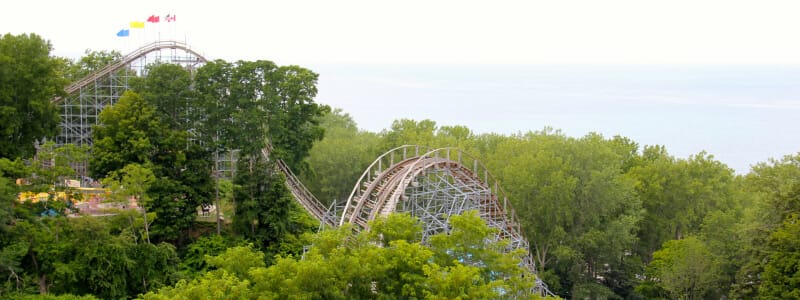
606,218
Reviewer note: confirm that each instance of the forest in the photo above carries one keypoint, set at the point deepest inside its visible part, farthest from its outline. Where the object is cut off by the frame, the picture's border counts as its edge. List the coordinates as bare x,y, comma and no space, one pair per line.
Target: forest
606,218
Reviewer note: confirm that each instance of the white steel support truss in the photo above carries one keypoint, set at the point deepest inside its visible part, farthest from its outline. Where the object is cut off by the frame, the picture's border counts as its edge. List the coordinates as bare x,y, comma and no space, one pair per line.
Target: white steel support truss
433,186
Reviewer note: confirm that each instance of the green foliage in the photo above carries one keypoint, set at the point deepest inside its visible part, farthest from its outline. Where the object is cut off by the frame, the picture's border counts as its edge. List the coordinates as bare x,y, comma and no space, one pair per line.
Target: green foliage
7,199
52,163
132,181
212,83
595,210
91,61
29,80
341,265
194,260
781,277
167,88
211,285
238,261
82,256
677,194
410,132
266,212
293,119
396,227
339,158
52,297
775,185
683,268
578,209
262,201
131,132
13,169
246,104
720,233
773,192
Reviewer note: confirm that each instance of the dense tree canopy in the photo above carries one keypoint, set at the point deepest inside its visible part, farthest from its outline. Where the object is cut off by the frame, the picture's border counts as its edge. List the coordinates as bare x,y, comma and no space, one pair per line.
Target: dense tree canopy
168,88
606,218
344,145
29,79
465,264
596,209
132,132
249,103
85,255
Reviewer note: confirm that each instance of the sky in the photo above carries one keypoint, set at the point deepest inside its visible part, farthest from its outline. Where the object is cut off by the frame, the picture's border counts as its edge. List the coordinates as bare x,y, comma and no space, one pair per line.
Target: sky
693,75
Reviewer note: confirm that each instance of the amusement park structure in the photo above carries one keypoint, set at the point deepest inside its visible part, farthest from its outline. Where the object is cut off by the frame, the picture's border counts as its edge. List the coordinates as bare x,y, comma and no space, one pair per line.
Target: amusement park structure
429,184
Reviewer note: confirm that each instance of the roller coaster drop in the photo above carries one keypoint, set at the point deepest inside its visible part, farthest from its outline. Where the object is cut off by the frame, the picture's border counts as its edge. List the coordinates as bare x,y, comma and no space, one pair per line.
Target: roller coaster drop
430,184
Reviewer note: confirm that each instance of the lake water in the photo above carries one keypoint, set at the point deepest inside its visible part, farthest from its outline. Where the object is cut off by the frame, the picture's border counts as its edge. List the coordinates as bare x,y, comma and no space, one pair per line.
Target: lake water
740,114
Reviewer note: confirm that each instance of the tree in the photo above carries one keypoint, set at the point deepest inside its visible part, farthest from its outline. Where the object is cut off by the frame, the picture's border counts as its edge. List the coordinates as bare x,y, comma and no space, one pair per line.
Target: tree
721,235
131,132
133,181
781,277
677,194
410,132
258,101
55,163
773,197
91,61
579,212
211,285
194,258
293,116
7,199
682,267
85,255
265,207
342,266
213,85
29,80
250,104
387,263
339,159
168,88
469,243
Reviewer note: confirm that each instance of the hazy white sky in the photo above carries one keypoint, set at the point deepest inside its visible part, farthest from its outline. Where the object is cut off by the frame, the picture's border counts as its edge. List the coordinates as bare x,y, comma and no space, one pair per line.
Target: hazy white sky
433,32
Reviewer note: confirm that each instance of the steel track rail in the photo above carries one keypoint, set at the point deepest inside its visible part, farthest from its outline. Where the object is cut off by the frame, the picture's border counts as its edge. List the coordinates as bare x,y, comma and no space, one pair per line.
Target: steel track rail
125,60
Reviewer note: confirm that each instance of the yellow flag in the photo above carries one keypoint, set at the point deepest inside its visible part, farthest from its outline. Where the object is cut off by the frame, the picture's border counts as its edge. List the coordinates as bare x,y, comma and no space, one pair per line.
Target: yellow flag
137,24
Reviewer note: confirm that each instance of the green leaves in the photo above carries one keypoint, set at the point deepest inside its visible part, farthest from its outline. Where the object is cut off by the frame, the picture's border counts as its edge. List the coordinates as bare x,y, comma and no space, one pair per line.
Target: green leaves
683,267
90,62
782,272
29,80
339,159
168,88
341,265
126,134
131,135
248,103
82,255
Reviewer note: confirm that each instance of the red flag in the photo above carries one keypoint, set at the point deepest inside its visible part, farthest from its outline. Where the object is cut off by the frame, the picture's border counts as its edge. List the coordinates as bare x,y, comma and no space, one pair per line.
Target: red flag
153,19
170,18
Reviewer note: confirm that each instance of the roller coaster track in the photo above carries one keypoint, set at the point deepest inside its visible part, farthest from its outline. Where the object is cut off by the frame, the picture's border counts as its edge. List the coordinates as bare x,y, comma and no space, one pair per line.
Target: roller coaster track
406,174
303,196
298,190
126,60
430,184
